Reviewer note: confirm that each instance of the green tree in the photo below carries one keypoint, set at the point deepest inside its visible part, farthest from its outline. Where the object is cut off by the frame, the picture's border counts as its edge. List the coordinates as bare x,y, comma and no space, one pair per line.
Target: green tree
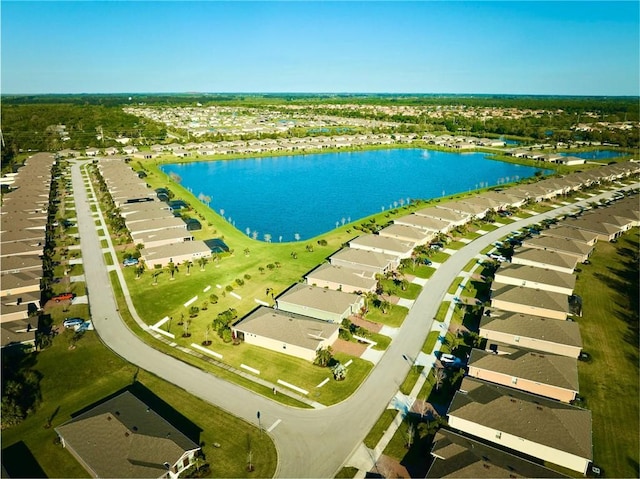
324,356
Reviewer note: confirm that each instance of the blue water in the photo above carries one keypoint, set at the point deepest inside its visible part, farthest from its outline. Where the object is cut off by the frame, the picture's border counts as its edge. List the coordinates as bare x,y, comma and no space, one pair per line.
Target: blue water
595,154
310,194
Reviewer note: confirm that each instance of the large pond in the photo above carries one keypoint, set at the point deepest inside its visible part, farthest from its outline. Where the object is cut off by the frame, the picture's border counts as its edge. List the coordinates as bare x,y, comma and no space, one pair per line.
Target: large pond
595,154
298,197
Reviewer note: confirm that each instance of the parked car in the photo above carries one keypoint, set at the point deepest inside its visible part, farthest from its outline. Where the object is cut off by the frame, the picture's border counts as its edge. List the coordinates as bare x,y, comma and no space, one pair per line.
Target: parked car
64,297
72,322
130,261
427,261
448,359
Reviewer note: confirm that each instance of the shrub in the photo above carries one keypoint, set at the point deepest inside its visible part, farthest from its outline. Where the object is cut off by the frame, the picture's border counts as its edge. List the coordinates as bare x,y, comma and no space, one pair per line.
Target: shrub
247,276
213,298
322,242
239,281
271,266
193,311
226,335
228,288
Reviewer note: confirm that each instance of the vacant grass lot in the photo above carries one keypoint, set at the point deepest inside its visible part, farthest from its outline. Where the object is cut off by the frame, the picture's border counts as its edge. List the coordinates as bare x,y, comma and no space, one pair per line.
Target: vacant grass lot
74,379
609,327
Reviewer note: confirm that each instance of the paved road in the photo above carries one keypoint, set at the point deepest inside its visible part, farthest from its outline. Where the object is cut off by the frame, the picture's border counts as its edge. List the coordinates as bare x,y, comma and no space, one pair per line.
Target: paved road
310,443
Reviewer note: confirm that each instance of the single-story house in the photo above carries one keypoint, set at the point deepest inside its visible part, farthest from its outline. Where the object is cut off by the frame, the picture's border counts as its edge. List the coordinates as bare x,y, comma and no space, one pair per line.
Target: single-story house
319,303
156,225
443,214
543,428
410,234
458,455
123,437
20,282
365,260
539,258
534,277
533,332
14,264
22,248
18,332
529,301
145,155
381,244
284,332
564,231
342,278
560,245
605,231
176,253
425,223
548,375
153,239
465,207
145,215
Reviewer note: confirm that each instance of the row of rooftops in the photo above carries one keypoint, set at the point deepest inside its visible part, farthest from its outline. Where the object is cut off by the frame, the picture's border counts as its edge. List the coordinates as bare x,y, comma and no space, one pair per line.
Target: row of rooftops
22,235
510,410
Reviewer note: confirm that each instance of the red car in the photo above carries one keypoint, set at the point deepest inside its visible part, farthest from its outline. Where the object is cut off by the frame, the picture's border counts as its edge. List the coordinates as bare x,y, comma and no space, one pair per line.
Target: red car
64,297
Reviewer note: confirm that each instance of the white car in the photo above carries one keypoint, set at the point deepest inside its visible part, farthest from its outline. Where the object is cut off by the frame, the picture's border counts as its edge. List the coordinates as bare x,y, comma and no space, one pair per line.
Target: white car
448,359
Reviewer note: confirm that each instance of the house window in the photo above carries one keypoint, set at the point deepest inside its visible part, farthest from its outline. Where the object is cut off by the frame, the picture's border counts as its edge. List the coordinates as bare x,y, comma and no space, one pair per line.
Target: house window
514,380
185,462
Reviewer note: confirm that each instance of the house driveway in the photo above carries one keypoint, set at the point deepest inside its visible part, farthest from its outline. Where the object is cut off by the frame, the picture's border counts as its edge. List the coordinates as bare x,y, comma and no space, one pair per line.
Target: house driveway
349,347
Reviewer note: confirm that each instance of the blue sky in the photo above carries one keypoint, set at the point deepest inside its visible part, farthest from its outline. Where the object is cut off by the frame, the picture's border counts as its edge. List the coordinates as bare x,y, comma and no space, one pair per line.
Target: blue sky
513,47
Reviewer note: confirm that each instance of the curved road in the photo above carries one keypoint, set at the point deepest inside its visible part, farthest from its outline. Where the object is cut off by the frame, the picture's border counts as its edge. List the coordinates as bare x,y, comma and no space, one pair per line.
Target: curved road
310,442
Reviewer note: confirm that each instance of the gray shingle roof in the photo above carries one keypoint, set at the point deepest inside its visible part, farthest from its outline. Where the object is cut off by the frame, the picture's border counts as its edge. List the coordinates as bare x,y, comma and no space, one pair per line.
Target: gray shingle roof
123,437
538,275
289,328
559,371
530,297
534,418
318,298
552,330
545,257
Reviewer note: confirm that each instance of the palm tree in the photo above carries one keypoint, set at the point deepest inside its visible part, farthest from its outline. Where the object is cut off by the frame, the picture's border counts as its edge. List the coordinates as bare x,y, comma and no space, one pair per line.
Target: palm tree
189,264
172,268
324,356
202,262
156,273
384,306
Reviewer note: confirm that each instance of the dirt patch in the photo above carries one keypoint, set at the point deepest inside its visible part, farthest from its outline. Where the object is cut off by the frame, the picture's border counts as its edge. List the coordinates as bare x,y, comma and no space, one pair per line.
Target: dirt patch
389,467
365,323
347,347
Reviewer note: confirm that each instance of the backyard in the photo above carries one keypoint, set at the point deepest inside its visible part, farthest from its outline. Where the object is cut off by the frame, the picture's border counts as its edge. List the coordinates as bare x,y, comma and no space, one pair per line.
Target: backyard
609,328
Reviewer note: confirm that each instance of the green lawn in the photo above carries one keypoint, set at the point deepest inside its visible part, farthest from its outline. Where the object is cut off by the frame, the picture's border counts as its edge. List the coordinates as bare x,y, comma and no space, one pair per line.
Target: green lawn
439,257
412,291
430,342
470,265
609,327
456,245
378,430
347,472
394,317
442,310
488,227
97,373
411,379
382,341
455,286
422,271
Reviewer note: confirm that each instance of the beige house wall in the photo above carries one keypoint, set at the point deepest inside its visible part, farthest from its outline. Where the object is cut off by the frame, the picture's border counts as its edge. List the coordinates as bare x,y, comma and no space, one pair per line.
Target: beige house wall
499,278
546,453
177,259
546,390
285,348
24,289
526,309
516,260
532,343
337,286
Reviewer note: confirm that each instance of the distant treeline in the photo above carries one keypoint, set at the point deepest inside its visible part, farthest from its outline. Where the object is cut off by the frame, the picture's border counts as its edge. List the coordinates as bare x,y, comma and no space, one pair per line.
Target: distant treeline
38,127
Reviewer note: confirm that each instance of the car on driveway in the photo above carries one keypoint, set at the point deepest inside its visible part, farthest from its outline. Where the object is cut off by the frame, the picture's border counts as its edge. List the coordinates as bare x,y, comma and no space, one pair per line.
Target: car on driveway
63,297
72,322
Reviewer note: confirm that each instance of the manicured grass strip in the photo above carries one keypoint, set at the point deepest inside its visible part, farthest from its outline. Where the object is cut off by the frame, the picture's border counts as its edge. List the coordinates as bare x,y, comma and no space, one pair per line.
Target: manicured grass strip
394,317
488,227
472,235
439,257
469,266
104,243
380,427
412,290
487,249
108,259
347,472
609,328
382,341
456,245
411,379
430,342
442,311
455,286
423,271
